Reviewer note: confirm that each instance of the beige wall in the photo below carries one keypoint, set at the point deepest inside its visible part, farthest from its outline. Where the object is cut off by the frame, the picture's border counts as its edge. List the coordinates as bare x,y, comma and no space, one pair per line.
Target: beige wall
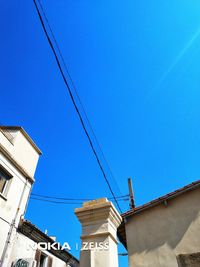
156,236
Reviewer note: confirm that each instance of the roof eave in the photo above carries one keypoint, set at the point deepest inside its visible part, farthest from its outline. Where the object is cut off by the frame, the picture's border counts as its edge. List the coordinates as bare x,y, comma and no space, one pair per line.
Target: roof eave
162,199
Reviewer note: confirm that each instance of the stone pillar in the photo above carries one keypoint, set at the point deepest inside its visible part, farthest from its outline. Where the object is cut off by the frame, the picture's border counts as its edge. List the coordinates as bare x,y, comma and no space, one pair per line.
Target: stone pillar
99,220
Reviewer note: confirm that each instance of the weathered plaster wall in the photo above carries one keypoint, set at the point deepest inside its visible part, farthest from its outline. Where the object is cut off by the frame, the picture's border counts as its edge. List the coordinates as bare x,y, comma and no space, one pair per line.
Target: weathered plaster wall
156,236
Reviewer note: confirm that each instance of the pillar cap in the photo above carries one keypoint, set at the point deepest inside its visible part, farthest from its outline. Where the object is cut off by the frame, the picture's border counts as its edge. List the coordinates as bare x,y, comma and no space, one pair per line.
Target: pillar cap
94,202
97,210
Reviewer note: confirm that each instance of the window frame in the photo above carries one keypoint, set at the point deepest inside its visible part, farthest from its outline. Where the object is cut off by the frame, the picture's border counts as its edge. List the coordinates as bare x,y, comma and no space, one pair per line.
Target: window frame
45,260
4,192
48,259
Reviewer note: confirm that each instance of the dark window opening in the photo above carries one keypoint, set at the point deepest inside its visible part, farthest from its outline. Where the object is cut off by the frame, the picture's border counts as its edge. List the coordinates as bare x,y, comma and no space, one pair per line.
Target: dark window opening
43,261
4,179
189,260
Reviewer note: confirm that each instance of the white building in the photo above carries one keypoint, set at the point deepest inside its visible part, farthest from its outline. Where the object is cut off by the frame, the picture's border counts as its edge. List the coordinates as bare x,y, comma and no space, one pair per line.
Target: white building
18,160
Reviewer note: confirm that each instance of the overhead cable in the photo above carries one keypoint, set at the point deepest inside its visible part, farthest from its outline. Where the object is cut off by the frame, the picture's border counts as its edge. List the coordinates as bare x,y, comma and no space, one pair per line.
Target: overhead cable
77,95
76,92
75,105
125,197
56,202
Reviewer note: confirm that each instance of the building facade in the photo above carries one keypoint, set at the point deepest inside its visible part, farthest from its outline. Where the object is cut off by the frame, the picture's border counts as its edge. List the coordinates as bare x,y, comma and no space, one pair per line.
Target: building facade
18,245
164,232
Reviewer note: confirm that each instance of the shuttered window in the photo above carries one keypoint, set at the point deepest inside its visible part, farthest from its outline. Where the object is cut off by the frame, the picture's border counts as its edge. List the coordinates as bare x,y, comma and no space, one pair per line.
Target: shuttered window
50,262
37,257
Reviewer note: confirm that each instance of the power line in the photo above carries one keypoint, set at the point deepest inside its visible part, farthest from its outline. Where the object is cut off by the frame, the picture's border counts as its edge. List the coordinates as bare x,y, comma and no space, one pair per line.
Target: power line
76,92
56,202
119,198
75,105
63,202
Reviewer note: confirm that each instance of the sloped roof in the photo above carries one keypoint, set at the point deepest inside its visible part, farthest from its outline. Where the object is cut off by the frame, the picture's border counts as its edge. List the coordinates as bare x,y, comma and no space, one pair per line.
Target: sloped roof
34,233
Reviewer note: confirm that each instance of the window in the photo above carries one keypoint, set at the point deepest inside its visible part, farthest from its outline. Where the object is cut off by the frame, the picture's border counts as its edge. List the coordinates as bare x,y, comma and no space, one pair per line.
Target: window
189,260
43,260
4,179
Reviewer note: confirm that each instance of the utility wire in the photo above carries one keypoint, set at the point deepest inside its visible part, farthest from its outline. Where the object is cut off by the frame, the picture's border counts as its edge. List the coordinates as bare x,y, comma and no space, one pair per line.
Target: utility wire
75,105
56,202
125,197
77,95
63,202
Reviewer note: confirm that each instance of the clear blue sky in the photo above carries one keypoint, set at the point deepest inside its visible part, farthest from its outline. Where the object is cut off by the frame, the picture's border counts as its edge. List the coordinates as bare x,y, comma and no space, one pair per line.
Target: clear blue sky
136,66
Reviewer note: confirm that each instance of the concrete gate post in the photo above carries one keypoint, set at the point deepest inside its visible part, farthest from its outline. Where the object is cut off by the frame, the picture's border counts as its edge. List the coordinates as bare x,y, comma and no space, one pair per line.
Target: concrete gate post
99,220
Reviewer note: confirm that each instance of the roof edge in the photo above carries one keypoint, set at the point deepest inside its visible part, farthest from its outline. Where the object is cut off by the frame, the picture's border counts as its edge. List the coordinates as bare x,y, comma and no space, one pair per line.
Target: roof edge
21,129
190,187
121,229
31,231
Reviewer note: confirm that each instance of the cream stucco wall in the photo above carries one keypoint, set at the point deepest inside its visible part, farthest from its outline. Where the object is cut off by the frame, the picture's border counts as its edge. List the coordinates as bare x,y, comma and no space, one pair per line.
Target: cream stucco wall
16,186
21,150
13,202
157,235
